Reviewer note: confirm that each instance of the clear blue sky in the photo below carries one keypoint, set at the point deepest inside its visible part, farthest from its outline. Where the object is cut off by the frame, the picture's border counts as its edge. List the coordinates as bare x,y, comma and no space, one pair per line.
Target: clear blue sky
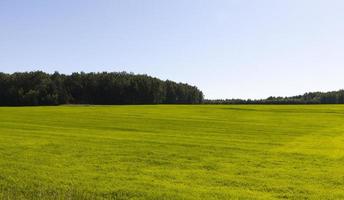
228,48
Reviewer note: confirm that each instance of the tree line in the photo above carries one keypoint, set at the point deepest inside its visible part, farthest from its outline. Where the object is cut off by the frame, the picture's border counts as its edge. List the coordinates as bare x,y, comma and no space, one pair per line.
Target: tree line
40,88
334,97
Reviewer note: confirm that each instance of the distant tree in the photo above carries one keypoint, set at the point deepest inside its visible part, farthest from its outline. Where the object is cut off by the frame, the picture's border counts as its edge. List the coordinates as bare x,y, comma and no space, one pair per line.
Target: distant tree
335,97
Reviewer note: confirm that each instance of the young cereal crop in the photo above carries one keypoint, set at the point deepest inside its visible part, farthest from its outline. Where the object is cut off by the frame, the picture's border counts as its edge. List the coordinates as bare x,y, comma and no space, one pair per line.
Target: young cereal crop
172,152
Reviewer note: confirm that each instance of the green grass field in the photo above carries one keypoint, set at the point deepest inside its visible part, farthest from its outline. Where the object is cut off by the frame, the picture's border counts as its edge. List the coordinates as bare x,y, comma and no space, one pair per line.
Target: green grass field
172,152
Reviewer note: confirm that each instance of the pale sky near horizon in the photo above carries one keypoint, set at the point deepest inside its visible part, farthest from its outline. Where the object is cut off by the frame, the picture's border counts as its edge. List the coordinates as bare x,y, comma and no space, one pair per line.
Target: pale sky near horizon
228,48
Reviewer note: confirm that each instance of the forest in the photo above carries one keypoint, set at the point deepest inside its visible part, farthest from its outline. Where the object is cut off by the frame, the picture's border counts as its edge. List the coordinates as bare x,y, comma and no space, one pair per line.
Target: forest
40,88
116,88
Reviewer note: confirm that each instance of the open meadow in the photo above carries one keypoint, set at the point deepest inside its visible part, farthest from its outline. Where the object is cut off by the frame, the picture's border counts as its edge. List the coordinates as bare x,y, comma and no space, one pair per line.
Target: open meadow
172,152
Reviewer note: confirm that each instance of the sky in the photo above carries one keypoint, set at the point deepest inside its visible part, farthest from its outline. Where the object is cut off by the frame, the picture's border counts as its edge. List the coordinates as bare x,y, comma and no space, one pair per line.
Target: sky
227,48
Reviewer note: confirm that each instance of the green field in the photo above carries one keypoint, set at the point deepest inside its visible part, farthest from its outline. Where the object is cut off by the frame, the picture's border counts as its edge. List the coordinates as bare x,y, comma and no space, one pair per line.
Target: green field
172,152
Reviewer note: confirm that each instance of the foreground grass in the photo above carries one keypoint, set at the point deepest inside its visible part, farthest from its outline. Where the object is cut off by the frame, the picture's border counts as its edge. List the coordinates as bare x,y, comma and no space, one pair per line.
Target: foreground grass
172,152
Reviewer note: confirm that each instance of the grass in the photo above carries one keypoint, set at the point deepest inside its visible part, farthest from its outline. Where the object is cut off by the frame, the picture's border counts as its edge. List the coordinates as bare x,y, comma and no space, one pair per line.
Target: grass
172,152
